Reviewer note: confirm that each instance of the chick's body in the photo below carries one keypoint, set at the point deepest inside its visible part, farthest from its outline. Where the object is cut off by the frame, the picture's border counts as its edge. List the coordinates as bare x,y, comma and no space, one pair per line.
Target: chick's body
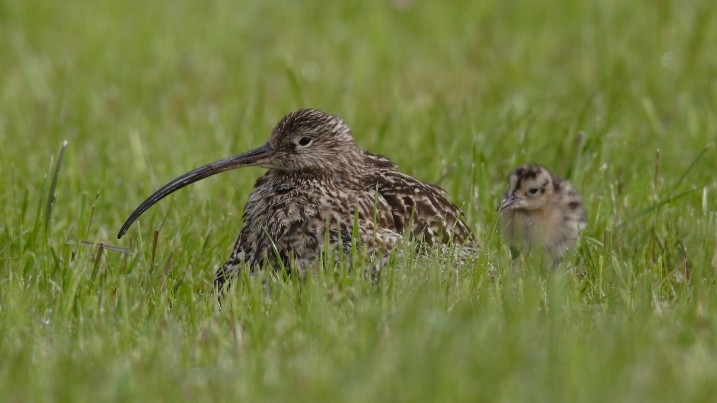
539,210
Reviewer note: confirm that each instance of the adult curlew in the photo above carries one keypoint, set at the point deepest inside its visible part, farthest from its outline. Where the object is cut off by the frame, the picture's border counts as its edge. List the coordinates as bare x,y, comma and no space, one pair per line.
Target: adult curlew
320,186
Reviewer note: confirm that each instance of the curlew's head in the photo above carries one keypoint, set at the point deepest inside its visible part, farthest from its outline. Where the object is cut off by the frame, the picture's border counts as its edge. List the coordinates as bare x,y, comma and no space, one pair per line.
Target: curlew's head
310,139
530,187
304,140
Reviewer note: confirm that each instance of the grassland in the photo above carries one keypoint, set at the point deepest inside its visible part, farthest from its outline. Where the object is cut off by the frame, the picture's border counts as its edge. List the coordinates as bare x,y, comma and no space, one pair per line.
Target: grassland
617,96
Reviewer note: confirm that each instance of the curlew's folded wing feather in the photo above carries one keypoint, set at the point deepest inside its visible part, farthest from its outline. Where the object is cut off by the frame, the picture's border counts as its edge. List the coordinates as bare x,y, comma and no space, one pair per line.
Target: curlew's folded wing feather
418,208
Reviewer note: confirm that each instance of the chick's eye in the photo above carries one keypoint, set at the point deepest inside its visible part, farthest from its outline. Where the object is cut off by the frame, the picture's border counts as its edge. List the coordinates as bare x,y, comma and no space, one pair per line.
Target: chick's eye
304,141
532,191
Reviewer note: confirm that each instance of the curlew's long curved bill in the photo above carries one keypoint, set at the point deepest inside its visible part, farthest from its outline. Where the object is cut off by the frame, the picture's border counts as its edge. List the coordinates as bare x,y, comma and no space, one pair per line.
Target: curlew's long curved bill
257,156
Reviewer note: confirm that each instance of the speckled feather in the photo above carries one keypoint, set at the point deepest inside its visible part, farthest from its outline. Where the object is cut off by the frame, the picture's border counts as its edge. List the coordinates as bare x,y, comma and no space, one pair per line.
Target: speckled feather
320,192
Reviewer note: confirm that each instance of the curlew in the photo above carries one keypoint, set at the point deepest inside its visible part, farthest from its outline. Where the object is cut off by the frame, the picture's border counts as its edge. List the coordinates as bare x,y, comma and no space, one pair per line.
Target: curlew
321,187
540,210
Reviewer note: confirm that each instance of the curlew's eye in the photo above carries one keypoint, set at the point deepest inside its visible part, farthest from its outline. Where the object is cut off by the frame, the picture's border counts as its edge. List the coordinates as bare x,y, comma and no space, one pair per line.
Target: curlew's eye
304,141
532,191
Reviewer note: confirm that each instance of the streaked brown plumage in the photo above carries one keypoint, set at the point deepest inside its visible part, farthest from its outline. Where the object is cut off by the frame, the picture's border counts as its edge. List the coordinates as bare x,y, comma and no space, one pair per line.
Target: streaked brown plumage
541,210
318,185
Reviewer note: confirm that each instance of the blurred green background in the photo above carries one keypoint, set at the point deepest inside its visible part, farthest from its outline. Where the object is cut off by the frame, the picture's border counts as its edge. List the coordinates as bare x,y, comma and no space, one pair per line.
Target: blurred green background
618,97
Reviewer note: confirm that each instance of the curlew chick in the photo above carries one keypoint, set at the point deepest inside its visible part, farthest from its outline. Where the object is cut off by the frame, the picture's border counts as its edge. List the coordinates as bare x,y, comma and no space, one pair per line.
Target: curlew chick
319,188
540,210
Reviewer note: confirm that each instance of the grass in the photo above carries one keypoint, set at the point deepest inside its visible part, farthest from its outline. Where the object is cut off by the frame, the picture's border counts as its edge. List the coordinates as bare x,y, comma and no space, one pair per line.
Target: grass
616,96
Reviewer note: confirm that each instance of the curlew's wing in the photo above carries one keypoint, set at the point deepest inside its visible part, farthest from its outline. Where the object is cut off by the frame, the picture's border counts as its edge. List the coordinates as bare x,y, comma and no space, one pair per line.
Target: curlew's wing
287,226
418,208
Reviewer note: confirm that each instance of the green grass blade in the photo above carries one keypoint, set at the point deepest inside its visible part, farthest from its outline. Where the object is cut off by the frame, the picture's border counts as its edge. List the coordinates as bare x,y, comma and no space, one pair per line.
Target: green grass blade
51,195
